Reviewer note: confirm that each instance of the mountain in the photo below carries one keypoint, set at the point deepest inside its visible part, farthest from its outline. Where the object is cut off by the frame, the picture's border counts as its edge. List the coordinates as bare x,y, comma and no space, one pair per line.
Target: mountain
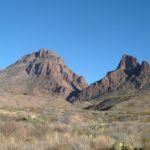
42,72
129,76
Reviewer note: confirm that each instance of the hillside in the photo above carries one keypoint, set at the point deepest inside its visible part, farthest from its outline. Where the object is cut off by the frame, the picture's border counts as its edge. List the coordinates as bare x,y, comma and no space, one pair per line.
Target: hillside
42,72
130,76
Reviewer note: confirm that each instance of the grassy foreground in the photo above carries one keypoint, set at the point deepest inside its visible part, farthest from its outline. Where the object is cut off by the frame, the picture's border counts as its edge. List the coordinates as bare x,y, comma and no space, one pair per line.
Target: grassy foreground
30,122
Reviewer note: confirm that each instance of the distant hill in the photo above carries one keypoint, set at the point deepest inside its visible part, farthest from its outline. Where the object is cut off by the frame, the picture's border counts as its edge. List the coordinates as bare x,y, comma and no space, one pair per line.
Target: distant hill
130,76
42,72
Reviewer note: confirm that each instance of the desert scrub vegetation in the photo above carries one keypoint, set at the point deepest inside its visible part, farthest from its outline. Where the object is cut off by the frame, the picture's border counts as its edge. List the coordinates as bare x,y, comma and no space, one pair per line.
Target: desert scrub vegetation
31,134
57,125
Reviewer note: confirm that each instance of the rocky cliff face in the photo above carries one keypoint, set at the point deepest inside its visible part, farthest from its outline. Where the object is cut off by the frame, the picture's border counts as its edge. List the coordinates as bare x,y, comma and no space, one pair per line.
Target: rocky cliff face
47,63
143,77
45,72
128,75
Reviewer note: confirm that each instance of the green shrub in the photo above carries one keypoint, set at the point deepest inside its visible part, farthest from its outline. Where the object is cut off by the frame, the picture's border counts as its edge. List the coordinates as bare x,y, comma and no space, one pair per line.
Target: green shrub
122,146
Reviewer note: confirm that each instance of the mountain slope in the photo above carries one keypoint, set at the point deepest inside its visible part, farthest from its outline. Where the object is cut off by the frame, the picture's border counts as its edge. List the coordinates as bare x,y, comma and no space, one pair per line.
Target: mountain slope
129,76
41,72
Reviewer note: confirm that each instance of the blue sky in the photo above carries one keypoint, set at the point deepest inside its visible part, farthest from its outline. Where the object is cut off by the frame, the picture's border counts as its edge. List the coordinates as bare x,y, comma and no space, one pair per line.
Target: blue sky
90,35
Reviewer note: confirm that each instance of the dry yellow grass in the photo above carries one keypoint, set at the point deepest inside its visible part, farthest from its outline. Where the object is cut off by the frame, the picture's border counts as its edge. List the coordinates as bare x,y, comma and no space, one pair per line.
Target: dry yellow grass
43,123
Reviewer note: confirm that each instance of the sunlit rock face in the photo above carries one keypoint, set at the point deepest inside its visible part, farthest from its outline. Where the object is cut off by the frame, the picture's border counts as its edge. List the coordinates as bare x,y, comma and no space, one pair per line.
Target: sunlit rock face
45,72
129,75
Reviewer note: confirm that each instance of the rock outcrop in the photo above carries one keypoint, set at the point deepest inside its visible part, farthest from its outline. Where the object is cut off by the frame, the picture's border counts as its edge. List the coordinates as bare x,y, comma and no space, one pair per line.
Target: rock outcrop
129,75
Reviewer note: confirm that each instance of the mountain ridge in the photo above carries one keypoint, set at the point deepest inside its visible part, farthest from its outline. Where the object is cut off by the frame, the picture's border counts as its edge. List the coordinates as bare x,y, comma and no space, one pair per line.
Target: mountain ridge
129,75
45,72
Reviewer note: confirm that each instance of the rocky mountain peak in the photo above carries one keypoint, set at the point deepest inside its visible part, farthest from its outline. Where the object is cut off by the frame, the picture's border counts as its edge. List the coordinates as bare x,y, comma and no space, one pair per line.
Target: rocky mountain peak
129,75
48,73
46,53
42,54
45,63
128,62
